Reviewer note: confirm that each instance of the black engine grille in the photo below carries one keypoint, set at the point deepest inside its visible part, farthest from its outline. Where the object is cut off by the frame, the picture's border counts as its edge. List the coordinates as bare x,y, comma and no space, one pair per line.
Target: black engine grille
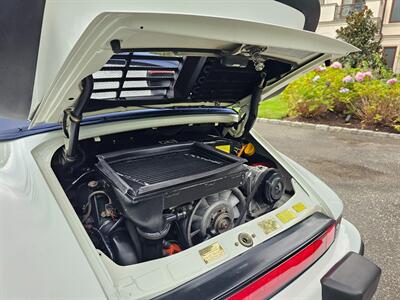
150,169
159,168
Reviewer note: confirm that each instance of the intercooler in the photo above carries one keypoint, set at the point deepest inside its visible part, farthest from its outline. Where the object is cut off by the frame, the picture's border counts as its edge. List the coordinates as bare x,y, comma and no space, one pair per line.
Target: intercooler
150,180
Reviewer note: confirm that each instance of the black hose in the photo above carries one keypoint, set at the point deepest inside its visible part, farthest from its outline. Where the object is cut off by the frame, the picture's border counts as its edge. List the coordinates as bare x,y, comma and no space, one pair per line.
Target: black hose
75,117
106,245
254,102
135,239
78,180
116,225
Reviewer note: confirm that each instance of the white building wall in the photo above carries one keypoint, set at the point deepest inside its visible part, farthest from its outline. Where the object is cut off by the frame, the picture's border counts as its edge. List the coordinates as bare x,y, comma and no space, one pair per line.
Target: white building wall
391,35
327,13
329,29
375,6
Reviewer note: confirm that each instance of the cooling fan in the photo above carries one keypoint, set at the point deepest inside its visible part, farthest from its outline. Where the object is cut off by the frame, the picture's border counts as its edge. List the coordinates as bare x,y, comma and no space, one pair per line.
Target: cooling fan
214,214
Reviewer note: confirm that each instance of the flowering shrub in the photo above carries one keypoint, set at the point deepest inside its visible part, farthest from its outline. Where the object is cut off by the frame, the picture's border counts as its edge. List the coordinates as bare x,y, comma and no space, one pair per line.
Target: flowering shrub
361,93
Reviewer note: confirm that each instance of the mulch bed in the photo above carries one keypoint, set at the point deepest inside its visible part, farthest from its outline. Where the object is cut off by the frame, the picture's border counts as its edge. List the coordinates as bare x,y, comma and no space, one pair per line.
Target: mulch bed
333,119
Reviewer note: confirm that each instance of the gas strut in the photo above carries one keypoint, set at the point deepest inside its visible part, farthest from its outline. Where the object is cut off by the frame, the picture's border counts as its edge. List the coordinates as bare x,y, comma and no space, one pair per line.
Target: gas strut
75,117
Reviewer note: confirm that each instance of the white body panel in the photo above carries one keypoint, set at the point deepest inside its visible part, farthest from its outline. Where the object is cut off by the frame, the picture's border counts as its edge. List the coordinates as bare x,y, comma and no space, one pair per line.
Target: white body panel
48,253
39,254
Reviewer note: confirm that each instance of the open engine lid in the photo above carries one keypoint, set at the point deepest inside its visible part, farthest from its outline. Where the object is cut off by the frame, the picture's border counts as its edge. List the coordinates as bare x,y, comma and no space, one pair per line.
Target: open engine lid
78,39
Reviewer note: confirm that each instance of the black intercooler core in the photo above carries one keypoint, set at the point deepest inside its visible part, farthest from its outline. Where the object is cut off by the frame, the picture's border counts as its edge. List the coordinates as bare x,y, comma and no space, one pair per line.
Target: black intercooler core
150,180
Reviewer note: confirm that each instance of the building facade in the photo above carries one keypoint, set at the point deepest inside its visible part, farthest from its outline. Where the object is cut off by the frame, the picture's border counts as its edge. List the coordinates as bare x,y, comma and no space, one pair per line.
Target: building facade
386,14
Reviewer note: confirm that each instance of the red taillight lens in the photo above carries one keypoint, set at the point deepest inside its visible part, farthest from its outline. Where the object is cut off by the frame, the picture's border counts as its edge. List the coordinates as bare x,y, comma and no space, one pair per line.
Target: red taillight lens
269,283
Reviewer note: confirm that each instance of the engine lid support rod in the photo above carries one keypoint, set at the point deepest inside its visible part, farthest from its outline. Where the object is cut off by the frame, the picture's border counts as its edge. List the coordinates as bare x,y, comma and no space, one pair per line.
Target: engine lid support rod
74,117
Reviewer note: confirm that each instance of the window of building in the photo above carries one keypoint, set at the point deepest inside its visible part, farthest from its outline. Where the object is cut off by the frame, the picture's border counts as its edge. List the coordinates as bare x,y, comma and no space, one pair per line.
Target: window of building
395,11
348,7
346,2
389,54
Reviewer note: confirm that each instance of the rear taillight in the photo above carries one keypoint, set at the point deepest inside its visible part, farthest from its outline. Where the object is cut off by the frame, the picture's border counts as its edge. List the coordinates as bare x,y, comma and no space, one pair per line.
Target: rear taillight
271,282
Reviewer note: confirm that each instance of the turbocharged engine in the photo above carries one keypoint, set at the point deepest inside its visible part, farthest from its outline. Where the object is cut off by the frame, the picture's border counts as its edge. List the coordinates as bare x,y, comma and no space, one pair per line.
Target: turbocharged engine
143,204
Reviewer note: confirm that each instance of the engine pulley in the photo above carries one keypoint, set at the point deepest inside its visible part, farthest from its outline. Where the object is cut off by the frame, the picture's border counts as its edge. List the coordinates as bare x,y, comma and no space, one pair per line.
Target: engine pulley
269,191
214,214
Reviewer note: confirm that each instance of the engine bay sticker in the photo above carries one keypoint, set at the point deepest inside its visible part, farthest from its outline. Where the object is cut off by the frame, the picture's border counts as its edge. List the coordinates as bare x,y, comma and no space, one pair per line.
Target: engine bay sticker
212,253
224,148
299,207
268,225
286,216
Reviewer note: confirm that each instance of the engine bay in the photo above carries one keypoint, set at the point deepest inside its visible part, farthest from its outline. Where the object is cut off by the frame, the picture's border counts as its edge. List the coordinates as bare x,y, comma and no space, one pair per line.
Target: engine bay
151,193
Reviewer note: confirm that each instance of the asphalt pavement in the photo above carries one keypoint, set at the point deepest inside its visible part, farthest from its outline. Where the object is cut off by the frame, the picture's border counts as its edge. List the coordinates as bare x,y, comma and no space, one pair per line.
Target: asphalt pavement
365,172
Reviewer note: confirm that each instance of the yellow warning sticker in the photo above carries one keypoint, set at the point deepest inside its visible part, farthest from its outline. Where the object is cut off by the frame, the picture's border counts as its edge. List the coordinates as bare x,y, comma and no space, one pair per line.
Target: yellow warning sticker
224,148
286,216
212,253
268,225
299,207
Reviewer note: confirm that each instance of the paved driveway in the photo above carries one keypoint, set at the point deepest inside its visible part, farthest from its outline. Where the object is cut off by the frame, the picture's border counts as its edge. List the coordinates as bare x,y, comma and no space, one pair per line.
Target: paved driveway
365,173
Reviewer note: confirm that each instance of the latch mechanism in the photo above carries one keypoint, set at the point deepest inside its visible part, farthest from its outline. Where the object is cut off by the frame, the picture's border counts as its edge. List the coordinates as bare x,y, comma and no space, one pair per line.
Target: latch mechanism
254,54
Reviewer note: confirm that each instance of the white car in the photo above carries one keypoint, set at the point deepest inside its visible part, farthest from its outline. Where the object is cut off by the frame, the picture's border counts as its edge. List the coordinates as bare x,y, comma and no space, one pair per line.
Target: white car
124,185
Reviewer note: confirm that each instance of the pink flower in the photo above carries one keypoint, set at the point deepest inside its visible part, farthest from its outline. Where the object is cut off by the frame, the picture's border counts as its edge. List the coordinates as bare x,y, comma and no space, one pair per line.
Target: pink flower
337,65
368,74
360,76
348,79
320,68
392,81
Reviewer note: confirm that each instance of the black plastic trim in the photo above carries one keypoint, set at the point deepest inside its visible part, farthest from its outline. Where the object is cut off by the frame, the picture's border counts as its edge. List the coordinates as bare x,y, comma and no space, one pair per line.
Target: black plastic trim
362,248
238,272
311,9
352,278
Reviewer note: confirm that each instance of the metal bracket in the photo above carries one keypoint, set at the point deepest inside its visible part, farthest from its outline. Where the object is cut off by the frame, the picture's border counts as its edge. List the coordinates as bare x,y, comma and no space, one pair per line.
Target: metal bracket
254,54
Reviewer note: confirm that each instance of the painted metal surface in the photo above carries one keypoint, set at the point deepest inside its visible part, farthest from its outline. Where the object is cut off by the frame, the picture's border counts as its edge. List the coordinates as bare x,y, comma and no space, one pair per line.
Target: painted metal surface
39,254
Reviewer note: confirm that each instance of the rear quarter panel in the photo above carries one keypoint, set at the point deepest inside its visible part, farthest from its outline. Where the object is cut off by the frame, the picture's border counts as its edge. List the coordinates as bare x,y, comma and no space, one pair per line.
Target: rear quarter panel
39,255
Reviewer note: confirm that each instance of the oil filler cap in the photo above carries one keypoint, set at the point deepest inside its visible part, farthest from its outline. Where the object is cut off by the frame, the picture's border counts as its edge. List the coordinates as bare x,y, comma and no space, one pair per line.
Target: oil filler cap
245,239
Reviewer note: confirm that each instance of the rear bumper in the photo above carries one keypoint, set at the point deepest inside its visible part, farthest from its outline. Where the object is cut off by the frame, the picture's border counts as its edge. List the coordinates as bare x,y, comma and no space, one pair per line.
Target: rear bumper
353,278
308,286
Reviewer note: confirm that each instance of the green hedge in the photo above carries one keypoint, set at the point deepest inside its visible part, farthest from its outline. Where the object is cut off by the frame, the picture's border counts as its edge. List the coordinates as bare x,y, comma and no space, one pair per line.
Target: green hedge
361,93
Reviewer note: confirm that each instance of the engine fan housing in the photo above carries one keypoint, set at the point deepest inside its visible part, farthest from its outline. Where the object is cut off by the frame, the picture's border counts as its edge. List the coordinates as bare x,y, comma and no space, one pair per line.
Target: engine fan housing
214,214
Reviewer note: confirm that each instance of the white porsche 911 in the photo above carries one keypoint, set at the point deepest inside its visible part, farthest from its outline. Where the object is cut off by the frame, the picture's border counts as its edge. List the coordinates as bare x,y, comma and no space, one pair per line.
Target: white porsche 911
138,174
